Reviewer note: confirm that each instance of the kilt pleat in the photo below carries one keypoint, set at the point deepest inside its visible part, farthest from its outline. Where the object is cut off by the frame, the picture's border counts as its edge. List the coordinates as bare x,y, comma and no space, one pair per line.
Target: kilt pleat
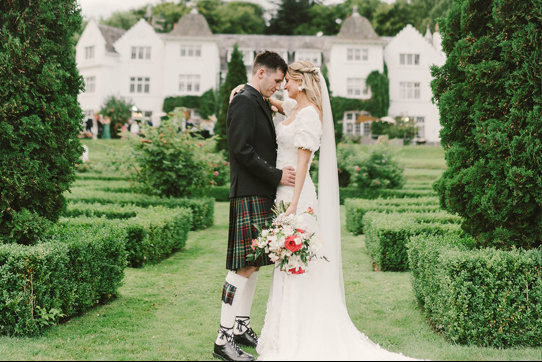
245,213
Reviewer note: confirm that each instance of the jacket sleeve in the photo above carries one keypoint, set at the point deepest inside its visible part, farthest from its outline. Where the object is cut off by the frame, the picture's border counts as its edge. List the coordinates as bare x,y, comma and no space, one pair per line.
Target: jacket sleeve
241,123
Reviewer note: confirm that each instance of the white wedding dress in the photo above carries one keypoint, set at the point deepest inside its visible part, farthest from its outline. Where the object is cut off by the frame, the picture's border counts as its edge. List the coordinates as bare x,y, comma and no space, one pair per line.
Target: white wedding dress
306,315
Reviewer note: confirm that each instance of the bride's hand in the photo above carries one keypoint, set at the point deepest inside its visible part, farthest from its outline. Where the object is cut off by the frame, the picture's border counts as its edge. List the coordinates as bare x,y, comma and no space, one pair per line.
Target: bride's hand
236,90
292,209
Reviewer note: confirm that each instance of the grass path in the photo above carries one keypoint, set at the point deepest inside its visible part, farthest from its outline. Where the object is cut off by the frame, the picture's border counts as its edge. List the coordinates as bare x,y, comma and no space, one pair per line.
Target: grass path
170,311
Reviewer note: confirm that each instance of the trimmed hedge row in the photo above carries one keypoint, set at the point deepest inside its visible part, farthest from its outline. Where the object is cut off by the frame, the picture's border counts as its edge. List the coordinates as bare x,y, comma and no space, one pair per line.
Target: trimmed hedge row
100,177
220,193
75,269
357,208
487,297
151,234
387,235
202,209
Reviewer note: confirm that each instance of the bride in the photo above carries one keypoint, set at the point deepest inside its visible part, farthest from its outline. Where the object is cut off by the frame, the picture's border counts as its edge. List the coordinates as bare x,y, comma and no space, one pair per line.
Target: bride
306,315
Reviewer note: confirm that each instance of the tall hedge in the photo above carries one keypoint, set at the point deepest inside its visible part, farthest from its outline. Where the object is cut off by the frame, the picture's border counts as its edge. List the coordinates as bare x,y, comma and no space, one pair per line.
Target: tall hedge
489,93
39,113
237,74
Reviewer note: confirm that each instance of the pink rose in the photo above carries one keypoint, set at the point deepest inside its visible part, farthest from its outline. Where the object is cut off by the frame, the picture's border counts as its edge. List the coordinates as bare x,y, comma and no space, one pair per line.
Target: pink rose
215,173
357,169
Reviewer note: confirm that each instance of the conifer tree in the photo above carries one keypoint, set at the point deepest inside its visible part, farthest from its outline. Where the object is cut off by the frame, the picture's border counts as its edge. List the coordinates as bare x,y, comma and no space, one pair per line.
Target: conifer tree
489,94
40,117
237,74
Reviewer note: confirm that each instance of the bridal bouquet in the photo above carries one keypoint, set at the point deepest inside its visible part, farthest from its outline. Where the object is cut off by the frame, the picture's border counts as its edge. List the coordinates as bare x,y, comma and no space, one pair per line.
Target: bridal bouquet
287,243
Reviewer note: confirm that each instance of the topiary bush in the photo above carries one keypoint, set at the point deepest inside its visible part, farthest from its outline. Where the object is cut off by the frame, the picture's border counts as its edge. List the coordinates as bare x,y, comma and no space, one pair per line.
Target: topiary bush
489,93
40,117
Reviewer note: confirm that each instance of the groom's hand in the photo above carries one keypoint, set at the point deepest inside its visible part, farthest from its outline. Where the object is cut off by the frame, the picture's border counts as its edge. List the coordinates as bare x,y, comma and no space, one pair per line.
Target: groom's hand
288,176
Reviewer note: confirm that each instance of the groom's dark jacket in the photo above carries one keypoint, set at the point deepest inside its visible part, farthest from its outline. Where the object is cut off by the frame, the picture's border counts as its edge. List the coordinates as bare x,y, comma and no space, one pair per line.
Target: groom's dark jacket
252,144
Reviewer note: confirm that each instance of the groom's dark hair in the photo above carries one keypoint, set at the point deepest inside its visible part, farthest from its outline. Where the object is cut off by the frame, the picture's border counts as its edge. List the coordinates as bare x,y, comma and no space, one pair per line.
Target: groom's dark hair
271,61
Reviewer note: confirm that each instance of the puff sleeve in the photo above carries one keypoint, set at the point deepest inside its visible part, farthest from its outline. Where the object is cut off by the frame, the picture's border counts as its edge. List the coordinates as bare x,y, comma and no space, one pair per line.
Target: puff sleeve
308,130
288,105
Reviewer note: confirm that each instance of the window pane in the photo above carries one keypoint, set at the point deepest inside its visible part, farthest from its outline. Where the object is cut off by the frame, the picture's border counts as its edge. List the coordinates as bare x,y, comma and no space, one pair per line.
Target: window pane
132,87
402,59
183,51
133,52
198,52
417,59
139,87
148,53
190,51
147,87
409,59
140,53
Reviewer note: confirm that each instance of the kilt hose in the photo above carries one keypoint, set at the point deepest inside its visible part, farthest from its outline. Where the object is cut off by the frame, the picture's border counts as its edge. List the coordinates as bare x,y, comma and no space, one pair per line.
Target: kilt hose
245,212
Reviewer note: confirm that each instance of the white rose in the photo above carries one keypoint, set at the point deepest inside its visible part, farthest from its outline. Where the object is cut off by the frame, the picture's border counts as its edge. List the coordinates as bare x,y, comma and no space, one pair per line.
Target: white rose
298,240
265,233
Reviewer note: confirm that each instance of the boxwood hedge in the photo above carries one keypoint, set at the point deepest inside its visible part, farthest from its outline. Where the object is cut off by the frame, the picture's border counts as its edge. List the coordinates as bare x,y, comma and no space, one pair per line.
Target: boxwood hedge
357,208
202,209
151,234
387,235
485,297
71,271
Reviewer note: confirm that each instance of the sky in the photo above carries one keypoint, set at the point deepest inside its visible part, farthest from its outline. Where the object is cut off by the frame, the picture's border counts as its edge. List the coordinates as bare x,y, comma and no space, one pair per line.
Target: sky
104,8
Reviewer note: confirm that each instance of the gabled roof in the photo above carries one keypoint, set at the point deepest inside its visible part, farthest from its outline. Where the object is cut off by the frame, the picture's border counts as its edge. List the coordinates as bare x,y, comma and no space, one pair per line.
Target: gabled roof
111,35
357,27
192,24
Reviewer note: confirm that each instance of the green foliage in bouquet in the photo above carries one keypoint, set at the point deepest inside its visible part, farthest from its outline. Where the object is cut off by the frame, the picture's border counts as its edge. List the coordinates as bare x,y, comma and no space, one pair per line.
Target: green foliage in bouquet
40,117
489,94
170,162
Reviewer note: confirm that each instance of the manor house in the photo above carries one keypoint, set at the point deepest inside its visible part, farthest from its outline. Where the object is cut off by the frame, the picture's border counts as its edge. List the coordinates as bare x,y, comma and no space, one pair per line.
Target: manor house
146,66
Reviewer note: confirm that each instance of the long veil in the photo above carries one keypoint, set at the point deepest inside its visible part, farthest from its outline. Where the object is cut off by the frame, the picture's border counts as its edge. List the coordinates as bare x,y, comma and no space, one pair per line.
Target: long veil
329,213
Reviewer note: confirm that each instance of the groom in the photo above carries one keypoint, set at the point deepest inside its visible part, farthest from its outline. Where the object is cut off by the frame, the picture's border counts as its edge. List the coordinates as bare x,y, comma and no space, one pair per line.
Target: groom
254,180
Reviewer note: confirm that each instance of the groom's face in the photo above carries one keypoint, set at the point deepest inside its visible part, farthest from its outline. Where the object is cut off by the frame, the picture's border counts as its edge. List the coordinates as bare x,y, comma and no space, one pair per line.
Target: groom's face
270,81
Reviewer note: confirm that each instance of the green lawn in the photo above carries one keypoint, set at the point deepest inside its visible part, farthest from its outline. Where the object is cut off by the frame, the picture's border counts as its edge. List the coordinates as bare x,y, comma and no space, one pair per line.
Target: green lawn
171,311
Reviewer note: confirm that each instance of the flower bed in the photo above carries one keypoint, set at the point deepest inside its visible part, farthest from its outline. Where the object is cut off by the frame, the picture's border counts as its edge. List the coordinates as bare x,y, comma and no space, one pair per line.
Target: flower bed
485,297
387,235
75,269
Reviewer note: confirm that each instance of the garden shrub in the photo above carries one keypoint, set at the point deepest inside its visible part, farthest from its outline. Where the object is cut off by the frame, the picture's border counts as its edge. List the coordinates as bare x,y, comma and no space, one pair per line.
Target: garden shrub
170,162
489,297
119,110
202,209
71,271
489,93
151,234
40,117
387,235
368,170
357,208
220,193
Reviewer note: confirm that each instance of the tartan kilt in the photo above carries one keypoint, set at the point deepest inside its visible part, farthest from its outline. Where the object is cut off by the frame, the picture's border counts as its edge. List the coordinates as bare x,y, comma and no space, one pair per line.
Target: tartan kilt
245,212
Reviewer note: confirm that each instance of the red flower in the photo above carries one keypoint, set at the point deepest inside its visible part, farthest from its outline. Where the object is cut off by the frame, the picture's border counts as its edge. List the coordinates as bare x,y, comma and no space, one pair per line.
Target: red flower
310,210
297,271
215,173
357,169
291,245
301,231
254,243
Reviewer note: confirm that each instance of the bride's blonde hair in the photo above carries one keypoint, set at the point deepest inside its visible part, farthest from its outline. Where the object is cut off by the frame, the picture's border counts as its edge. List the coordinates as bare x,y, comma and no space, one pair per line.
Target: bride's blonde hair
307,73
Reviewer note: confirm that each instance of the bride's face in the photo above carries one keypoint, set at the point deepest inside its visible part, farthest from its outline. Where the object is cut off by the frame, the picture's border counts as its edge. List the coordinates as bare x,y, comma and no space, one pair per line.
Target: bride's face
292,86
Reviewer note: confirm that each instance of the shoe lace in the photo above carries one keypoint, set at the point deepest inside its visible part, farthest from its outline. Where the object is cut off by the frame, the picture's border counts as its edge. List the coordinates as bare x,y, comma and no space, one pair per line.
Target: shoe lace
229,339
249,330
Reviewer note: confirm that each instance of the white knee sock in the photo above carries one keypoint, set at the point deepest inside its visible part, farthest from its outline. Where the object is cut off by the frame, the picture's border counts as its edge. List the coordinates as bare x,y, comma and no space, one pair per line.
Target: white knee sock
243,314
232,292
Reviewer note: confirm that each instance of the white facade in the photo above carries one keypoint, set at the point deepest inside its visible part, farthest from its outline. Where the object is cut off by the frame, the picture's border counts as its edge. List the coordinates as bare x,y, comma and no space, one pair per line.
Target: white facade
147,67
409,57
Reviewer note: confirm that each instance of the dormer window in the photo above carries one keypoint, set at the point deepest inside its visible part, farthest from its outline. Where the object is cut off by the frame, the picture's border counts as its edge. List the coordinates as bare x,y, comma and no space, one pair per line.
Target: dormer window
190,51
141,53
89,52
